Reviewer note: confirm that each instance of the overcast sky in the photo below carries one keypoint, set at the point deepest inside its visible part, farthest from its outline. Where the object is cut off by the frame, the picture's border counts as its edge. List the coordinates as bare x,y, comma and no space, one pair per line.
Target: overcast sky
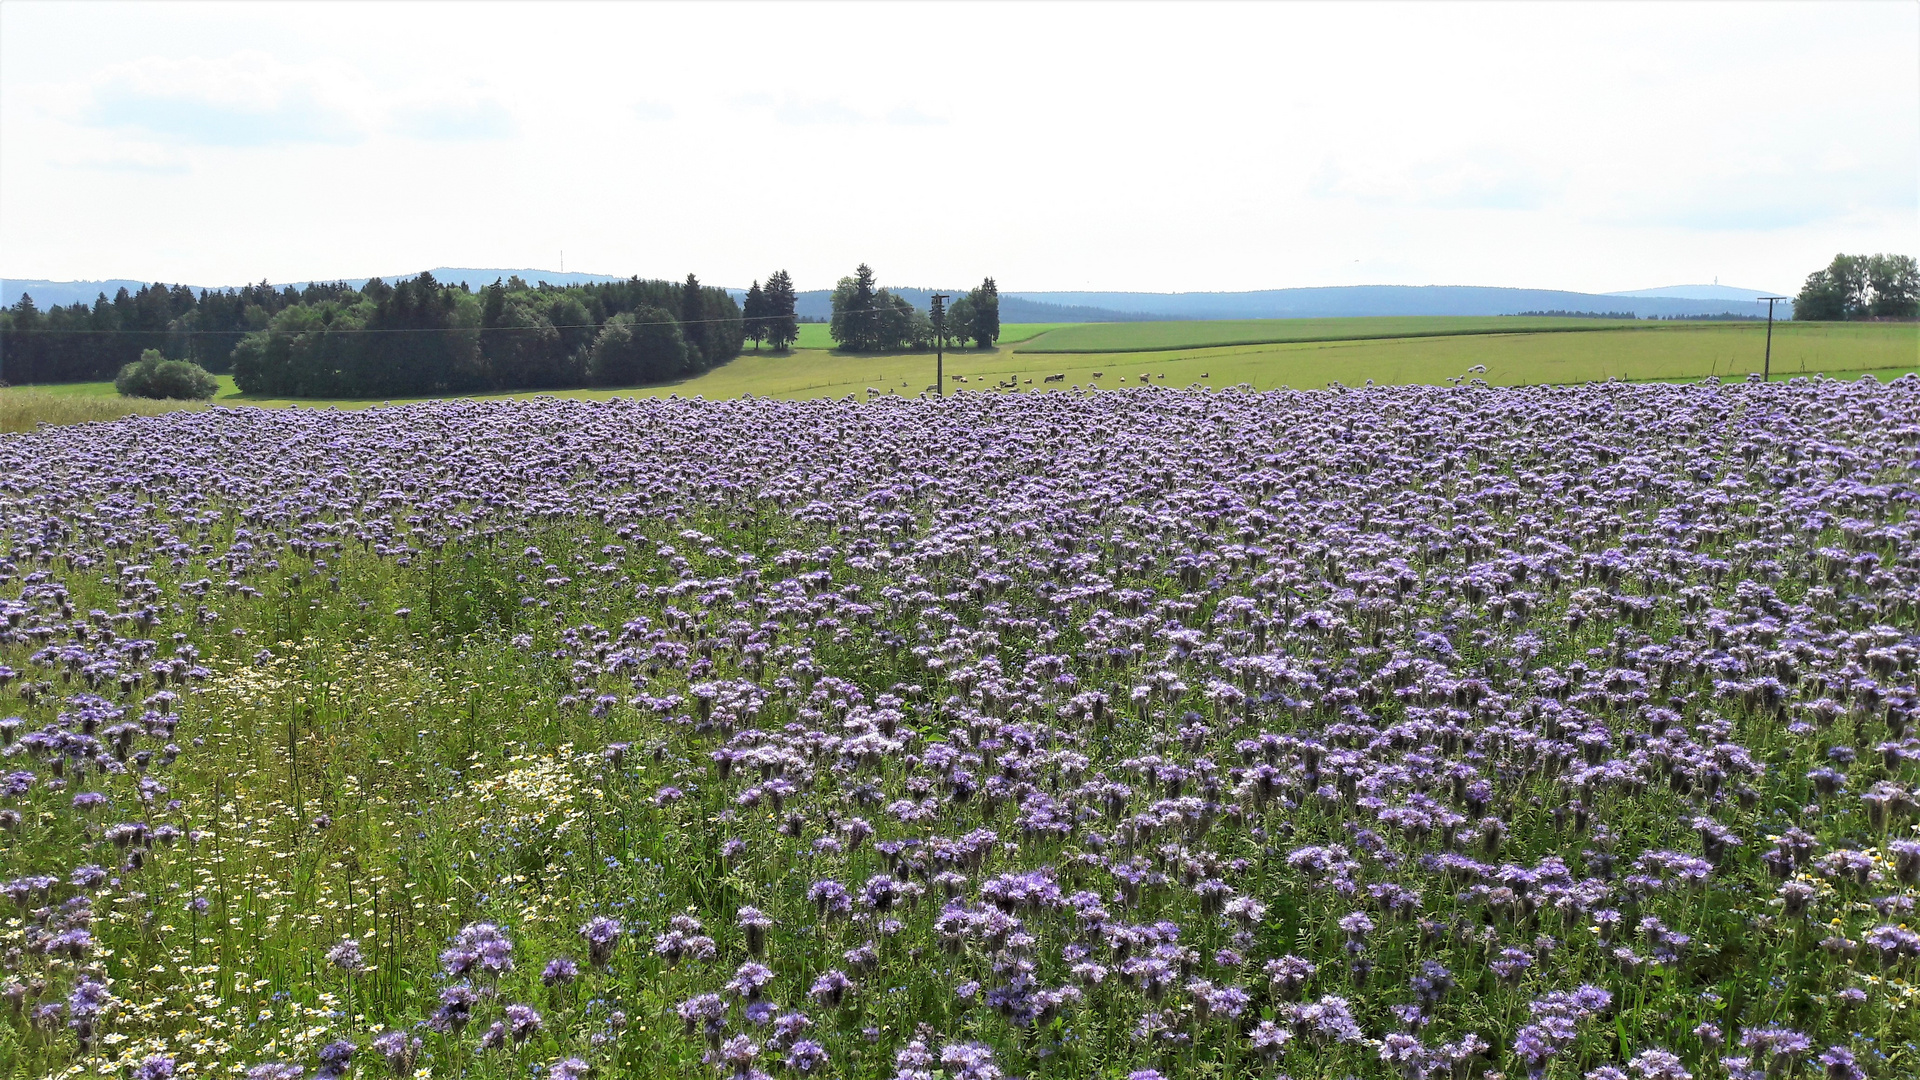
1074,146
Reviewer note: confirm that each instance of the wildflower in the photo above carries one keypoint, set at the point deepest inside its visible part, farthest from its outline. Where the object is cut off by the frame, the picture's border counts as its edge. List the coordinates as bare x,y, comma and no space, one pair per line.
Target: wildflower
479,947
1656,1064
1269,1039
830,988
969,1061
334,1059
755,923
1839,1064
347,956
398,1050
559,971
603,936
806,1056
522,1022
1775,1042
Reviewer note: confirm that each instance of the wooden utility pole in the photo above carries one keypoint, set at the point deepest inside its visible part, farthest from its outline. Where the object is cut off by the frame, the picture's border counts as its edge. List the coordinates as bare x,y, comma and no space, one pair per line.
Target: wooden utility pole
1766,369
940,343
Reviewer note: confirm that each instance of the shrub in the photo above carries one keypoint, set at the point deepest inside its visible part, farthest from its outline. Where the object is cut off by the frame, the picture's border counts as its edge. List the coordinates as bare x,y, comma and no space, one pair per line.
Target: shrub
154,376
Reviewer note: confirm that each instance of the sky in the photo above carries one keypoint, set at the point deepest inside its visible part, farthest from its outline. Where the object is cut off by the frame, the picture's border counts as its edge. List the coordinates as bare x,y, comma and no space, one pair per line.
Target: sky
1095,146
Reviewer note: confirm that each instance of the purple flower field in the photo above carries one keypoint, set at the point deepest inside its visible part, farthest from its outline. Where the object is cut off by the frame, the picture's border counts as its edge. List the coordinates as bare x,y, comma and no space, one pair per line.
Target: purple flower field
1423,732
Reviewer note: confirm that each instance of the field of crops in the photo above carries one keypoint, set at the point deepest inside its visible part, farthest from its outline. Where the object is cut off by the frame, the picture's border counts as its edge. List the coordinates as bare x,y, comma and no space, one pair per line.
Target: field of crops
1397,732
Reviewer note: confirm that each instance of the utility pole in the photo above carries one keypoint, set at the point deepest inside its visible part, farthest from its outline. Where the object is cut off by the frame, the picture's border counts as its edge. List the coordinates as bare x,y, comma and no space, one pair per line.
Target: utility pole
1767,365
939,302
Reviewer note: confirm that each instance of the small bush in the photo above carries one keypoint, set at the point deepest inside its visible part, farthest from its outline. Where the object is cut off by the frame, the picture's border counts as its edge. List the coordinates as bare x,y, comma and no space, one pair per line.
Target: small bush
154,376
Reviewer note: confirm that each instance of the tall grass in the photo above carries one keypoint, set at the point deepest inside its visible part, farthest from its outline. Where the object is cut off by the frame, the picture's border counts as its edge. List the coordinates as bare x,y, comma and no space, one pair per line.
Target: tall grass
24,408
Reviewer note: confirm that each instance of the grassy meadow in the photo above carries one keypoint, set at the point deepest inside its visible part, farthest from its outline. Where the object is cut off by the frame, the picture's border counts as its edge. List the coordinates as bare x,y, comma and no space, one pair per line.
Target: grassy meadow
1206,333
815,336
1403,352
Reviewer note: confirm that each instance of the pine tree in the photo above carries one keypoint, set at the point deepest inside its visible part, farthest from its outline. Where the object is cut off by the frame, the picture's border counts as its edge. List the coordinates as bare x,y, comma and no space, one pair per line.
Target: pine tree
986,314
783,328
854,324
754,315
692,317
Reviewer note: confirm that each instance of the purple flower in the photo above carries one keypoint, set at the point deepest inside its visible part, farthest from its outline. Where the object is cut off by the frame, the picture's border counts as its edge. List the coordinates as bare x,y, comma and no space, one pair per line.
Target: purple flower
1839,1064
398,1050
969,1061
603,936
1774,1041
806,1056
1326,1022
830,898
748,982
522,1022
1657,1064
830,988
1268,1039
346,956
480,947
755,924
559,971
334,1059
705,1014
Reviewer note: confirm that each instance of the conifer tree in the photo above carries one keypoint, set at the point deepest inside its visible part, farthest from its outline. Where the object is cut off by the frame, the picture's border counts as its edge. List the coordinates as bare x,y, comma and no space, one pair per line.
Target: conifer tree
692,320
754,315
783,327
985,301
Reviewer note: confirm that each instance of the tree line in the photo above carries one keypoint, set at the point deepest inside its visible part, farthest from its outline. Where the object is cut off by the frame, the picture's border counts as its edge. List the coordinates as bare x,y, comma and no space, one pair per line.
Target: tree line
408,338
871,319
1861,287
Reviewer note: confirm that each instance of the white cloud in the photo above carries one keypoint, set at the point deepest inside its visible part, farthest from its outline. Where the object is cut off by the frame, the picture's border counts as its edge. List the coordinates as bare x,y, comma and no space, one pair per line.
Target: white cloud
1113,146
455,120
1469,179
249,99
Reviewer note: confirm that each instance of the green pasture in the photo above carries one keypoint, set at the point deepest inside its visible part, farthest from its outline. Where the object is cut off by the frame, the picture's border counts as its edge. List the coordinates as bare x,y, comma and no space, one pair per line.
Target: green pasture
1641,352
1200,334
814,335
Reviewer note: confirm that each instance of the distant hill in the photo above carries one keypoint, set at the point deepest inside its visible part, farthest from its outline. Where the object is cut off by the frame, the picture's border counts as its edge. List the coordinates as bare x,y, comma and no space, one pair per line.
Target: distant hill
1014,308
48,294
1359,300
1325,302
1698,292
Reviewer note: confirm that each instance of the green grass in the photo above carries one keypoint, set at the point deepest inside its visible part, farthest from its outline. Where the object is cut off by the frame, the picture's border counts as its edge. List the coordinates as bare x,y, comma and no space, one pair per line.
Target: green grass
1644,352
1640,352
23,408
1200,334
814,335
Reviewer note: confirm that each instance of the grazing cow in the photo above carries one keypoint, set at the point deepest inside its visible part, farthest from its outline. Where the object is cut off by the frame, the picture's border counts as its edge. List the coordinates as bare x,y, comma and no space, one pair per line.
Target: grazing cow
1099,374
1057,377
